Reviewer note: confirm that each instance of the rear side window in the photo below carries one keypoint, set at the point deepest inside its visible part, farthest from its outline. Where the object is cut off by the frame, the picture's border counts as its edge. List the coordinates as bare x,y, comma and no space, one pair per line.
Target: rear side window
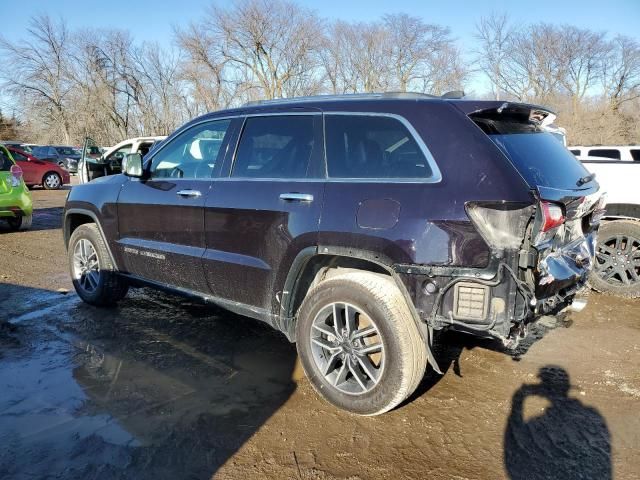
18,157
575,152
635,154
605,152
370,146
275,147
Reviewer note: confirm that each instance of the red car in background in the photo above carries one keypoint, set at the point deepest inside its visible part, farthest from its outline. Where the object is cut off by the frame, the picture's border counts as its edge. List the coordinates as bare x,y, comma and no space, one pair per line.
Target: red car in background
39,172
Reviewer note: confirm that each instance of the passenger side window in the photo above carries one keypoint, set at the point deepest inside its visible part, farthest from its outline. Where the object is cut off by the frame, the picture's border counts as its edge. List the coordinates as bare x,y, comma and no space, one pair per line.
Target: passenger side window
635,154
192,154
275,147
605,152
370,146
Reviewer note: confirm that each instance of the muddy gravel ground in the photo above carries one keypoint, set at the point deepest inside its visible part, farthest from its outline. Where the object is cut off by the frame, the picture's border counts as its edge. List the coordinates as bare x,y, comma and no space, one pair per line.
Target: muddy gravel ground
164,388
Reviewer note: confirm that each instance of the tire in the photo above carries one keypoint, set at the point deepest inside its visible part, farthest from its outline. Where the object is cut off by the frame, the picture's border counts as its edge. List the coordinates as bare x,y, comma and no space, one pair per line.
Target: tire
51,181
617,264
100,284
377,302
22,222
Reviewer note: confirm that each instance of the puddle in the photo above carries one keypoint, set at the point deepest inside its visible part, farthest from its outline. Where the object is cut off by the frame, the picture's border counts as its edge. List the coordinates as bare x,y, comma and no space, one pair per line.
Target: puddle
156,388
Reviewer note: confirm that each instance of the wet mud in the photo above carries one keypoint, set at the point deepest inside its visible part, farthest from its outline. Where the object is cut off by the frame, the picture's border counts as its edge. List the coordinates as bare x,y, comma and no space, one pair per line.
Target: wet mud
161,387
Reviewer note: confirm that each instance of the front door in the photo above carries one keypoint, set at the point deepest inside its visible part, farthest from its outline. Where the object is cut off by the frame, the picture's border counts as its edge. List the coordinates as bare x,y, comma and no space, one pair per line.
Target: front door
266,209
161,218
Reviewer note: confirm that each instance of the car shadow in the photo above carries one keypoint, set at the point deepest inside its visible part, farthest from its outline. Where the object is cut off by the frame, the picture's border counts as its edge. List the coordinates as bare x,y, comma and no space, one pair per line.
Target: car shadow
49,218
158,387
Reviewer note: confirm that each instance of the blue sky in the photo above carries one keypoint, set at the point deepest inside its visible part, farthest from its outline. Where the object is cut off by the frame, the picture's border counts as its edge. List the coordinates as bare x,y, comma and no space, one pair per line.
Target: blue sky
153,20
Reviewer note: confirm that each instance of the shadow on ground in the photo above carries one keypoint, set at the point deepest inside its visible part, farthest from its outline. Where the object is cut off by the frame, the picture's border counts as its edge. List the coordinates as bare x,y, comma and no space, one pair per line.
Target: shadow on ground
156,388
568,440
43,219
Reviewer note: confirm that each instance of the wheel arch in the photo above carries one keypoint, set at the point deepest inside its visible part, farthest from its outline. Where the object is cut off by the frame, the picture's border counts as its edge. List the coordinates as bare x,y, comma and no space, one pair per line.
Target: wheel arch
314,264
75,217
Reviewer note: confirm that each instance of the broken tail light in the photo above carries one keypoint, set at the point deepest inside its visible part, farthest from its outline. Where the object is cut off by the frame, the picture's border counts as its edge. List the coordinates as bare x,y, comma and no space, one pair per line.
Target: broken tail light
501,224
552,216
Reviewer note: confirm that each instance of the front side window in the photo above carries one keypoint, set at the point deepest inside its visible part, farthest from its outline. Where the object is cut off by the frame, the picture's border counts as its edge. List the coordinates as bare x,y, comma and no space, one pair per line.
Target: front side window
275,147
605,152
65,151
363,146
193,153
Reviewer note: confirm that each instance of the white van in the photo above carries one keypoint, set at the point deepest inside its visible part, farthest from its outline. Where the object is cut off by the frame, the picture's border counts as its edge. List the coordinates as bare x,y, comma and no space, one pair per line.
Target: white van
627,153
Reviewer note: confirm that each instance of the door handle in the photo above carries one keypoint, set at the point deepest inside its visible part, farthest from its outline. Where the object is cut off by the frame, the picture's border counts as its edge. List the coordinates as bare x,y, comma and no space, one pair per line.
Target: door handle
188,193
296,197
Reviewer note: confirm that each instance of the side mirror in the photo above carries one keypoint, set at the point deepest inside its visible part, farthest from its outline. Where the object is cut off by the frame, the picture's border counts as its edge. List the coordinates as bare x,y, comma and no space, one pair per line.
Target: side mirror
132,165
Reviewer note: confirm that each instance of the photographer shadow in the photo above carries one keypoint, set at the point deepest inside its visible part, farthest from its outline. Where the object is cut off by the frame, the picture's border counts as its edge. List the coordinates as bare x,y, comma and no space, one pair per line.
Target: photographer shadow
568,440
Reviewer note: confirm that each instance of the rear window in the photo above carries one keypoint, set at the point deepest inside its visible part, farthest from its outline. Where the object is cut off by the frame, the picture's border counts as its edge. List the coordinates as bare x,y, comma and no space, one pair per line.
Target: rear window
536,154
605,152
372,146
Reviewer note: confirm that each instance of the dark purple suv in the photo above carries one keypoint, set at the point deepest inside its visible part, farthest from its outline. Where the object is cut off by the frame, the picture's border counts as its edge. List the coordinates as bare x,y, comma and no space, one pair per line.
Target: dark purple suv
357,225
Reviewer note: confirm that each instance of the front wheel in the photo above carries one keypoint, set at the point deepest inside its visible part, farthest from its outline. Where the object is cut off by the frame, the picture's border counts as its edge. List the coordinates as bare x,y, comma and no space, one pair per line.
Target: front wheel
617,265
359,344
92,272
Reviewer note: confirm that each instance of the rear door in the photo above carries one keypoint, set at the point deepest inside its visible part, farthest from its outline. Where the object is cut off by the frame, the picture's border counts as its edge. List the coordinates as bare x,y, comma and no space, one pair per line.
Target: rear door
32,172
161,218
266,209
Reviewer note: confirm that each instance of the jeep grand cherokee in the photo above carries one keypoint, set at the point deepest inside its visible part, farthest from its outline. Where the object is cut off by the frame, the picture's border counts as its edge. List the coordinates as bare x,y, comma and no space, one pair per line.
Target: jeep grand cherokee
356,225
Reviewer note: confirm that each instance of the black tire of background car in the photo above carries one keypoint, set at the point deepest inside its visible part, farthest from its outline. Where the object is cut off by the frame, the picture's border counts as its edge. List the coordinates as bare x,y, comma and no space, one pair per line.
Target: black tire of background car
44,181
405,350
22,222
608,232
111,286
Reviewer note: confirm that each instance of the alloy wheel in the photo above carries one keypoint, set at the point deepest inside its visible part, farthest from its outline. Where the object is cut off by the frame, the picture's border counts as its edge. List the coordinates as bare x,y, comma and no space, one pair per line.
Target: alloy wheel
86,266
347,348
618,260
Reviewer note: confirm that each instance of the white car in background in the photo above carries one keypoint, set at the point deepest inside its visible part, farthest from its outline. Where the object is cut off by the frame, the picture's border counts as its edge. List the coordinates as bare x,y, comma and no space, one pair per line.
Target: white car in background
110,162
617,170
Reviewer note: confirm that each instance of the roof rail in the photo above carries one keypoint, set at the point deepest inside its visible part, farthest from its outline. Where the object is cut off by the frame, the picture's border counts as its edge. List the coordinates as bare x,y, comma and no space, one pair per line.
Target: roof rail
344,96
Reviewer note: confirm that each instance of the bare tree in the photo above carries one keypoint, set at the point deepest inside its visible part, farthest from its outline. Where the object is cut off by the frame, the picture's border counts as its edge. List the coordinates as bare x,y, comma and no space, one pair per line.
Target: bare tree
493,34
40,71
275,41
621,71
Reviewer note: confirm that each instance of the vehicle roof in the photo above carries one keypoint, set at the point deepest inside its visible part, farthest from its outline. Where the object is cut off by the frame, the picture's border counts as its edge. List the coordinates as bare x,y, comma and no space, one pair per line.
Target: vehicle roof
365,102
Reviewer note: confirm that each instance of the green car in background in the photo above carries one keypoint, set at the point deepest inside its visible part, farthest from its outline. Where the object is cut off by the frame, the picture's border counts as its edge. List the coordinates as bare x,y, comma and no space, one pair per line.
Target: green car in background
16,206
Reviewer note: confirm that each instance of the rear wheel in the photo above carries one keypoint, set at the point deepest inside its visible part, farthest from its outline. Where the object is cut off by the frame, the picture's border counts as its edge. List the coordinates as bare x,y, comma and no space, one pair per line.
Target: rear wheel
51,181
359,344
21,222
617,266
92,272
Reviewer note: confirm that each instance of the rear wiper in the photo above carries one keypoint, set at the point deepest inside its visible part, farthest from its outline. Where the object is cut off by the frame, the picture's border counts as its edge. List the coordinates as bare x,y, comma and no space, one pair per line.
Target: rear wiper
585,179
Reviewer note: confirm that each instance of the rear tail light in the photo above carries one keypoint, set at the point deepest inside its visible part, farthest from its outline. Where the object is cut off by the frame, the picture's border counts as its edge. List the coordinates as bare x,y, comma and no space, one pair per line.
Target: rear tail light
552,216
16,175
501,224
